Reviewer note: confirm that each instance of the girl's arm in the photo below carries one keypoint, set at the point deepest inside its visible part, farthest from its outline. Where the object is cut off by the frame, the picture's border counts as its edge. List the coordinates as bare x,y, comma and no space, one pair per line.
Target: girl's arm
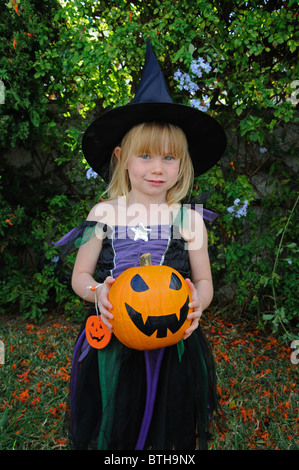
202,285
83,275
82,278
84,268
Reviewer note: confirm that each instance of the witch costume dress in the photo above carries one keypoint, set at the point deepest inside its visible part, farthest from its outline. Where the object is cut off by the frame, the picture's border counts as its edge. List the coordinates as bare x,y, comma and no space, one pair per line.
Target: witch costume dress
121,398
124,399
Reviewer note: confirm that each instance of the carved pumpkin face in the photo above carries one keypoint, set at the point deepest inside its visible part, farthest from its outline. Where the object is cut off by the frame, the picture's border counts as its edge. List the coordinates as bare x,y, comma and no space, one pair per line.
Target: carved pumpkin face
97,334
150,307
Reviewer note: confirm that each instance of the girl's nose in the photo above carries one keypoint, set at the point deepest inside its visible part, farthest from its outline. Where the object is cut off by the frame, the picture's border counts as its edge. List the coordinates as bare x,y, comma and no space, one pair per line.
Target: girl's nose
157,166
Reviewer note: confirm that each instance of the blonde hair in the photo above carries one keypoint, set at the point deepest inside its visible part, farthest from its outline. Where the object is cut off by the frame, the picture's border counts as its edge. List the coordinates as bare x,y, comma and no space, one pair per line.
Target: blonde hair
154,138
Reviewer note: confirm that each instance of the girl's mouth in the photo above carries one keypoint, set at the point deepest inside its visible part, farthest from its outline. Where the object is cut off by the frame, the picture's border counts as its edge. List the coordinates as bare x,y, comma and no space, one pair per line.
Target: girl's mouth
155,182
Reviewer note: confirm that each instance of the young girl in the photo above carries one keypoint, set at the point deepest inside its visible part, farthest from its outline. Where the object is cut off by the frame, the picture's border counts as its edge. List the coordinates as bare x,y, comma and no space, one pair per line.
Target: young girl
151,171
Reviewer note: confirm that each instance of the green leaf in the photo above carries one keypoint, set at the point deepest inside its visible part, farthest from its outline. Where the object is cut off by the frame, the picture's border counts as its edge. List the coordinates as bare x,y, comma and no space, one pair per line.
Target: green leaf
267,317
35,118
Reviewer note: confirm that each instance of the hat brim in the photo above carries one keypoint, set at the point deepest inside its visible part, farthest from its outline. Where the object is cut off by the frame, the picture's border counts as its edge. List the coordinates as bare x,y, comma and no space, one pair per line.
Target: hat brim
205,136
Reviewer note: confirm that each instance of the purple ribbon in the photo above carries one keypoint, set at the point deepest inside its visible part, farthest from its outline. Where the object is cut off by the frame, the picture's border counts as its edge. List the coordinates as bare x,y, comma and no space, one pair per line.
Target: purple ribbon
74,378
153,361
69,237
209,215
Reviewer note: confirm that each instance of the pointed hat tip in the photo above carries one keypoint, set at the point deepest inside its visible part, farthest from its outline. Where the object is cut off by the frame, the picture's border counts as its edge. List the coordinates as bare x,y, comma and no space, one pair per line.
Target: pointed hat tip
152,86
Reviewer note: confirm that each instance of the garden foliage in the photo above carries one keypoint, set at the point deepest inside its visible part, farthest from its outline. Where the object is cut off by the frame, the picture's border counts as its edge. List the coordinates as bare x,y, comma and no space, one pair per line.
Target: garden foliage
64,62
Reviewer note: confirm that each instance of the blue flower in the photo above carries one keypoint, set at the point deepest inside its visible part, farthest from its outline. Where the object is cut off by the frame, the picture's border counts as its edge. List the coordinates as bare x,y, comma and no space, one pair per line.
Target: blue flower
91,174
199,65
239,209
177,75
198,105
195,68
185,82
203,105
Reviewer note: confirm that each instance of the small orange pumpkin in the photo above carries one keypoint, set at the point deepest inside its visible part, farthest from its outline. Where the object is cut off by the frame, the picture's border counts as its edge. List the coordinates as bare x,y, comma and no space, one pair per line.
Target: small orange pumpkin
150,306
97,334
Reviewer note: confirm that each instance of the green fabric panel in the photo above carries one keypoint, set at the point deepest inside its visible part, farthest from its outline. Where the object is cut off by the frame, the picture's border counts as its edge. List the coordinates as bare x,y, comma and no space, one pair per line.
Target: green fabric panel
88,234
181,219
181,348
109,366
205,379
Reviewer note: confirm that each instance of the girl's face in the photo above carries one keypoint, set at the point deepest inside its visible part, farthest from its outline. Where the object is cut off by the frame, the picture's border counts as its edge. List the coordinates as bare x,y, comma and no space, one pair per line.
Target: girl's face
151,176
153,164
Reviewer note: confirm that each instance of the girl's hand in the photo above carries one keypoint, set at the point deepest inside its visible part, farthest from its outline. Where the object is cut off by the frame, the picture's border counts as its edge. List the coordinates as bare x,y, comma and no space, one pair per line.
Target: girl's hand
104,304
197,310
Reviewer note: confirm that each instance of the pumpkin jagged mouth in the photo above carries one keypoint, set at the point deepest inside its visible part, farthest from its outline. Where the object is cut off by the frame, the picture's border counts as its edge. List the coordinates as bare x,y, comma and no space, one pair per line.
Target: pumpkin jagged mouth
160,323
96,338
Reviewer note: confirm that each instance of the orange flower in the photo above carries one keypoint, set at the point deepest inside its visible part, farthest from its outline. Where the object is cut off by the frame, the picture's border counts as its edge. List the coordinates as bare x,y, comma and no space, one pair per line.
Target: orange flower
61,441
243,414
16,7
54,410
265,436
63,374
29,328
24,395
38,387
24,377
22,414
35,401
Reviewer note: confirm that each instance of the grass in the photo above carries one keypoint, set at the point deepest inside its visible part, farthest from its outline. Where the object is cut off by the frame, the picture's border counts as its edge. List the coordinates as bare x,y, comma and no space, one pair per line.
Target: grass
257,385
34,387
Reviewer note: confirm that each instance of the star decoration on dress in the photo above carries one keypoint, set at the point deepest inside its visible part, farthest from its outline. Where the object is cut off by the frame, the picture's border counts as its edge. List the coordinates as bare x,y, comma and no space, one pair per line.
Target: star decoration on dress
141,232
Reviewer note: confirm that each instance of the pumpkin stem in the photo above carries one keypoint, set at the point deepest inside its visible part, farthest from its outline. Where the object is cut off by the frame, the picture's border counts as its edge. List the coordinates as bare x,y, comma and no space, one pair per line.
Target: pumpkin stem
145,259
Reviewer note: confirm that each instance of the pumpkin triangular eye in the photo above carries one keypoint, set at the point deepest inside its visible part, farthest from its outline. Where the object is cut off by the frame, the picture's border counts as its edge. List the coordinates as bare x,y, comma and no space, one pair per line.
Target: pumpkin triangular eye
175,282
138,284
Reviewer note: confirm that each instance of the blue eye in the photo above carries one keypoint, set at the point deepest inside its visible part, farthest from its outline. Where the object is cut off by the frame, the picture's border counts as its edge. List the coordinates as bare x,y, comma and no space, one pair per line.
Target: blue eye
145,156
169,157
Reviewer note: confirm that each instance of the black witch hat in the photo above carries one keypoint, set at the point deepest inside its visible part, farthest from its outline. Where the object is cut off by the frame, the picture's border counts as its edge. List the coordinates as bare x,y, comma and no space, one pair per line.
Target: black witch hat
152,102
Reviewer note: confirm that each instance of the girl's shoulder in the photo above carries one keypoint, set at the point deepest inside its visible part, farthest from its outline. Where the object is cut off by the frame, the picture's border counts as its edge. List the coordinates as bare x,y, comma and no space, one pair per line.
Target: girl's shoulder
191,224
187,217
107,212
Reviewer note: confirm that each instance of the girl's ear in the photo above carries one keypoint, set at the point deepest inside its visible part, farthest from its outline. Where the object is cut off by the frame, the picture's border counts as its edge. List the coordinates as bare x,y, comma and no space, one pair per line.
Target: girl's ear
117,152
